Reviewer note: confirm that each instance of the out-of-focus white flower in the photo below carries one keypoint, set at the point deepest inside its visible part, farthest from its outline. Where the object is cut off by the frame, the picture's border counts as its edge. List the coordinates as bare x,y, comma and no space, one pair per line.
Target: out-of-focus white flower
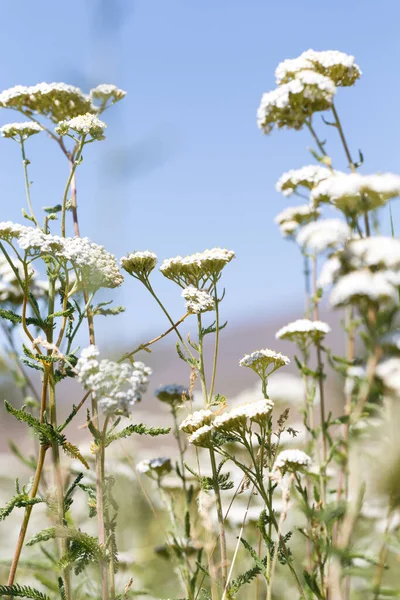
292,460
286,388
303,330
354,193
354,376
107,91
196,420
197,269
202,436
340,67
389,372
307,177
139,264
236,418
324,234
363,286
87,124
261,360
197,301
391,340
117,386
58,101
293,216
155,466
329,272
172,394
292,103
20,131
377,251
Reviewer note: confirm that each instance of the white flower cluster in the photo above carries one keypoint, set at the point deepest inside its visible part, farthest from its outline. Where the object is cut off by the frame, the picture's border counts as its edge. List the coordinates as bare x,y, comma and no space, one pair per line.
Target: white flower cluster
139,264
307,177
10,288
202,436
292,103
364,285
107,91
58,101
292,460
116,386
338,66
324,234
194,421
157,466
20,131
389,372
197,269
235,418
353,193
173,394
96,266
378,252
261,360
303,330
292,217
197,301
87,124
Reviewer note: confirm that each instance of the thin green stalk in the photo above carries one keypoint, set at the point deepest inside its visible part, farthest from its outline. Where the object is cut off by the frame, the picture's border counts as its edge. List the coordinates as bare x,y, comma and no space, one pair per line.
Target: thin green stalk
181,452
74,165
220,515
316,138
25,163
214,370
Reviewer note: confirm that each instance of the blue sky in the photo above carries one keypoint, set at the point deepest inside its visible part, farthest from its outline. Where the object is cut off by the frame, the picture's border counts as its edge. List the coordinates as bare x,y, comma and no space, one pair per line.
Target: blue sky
184,166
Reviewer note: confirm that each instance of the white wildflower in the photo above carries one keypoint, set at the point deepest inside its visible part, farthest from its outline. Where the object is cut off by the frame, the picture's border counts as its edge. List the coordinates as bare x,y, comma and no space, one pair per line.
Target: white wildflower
292,460
107,91
378,251
340,67
288,228
389,372
116,386
392,339
202,436
301,214
261,361
20,131
173,394
58,101
292,103
329,272
236,418
156,466
363,286
87,124
354,376
139,264
197,301
197,269
196,420
324,234
286,388
307,177
353,193
303,330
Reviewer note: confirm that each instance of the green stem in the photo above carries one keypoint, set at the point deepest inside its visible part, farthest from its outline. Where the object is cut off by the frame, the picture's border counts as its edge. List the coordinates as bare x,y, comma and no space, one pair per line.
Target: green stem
214,371
25,163
220,515
74,163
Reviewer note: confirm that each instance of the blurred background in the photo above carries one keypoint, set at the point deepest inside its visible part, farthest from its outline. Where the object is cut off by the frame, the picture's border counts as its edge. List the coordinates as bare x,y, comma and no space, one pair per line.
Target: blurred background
184,166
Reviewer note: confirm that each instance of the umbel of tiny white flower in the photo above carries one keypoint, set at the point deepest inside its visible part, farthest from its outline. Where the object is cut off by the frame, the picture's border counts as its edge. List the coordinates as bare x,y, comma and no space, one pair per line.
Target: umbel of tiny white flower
105,92
197,301
292,461
323,234
195,420
20,131
57,101
338,66
139,264
307,177
291,104
173,394
155,467
197,269
87,124
264,363
202,436
303,332
365,288
235,420
292,217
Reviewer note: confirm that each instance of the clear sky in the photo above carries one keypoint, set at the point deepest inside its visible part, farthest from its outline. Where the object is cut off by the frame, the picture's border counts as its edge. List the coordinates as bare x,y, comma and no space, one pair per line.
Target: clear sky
184,166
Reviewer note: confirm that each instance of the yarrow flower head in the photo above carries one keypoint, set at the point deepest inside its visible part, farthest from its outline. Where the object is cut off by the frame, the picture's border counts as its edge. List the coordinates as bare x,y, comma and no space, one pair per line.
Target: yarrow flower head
338,66
194,421
116,386
139,264
292,217
364,287
377,252
264,362
58,101
105,92
202,436
303,331
354,193
323,234
20,131
291,104
307,177
197,301
173,394
155,467
389,373
197,269
235,419
87,124
292,461
10,289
